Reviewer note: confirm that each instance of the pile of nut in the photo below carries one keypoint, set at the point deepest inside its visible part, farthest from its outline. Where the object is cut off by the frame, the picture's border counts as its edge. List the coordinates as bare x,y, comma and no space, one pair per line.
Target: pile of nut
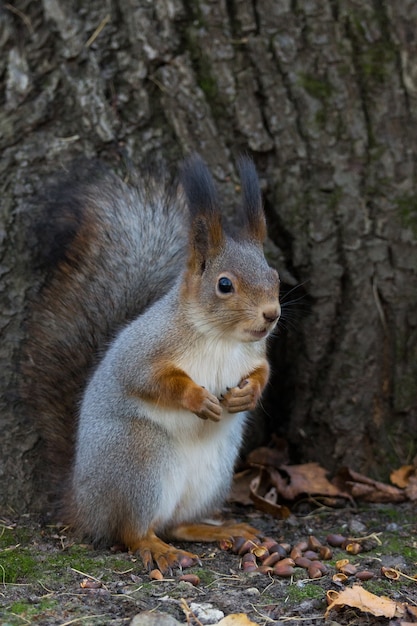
280,559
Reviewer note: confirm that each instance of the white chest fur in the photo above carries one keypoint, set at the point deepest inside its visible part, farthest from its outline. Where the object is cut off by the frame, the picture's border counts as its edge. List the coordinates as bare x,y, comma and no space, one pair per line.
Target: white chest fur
204,452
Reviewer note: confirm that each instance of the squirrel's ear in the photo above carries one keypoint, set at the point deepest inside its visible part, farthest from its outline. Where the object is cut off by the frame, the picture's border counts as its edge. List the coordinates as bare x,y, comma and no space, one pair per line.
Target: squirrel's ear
252,199
206,233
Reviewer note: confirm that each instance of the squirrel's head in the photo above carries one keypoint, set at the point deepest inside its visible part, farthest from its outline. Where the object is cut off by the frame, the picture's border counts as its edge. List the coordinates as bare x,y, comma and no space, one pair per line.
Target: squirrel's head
230,289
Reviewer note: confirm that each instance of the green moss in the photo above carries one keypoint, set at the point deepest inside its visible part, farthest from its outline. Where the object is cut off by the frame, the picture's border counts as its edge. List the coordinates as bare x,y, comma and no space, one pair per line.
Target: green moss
316,87
376,59
16,564
298,592
205,575
31,611
407,207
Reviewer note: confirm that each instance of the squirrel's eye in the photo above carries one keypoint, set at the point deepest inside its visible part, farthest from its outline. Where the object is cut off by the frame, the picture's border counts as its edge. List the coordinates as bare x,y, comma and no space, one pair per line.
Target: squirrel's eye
225,285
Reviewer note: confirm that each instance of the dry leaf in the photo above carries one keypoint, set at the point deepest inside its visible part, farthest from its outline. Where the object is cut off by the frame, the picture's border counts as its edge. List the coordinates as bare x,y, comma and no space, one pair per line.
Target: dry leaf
260,493
411,489
401,476
363,488
310,478
237,619
240,491
273,457
357,597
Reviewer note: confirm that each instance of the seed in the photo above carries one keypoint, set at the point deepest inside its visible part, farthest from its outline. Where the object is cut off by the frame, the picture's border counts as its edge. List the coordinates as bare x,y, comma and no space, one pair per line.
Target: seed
296,553
272,559
264,569
310,554
341,563
282,550
249,567
364,575
390,572
286,547
237,544
339,578
314,571
287,561
248,558
87,583
335,540
313,543
349,569
248,545
325,553
190,578
301,545
225,544
322,567
156,574
301,561
353,547
283,569
268,542
260,551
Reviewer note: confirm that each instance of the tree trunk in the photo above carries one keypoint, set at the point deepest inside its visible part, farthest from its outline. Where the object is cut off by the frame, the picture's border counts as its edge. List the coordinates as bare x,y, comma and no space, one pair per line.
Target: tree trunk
323,95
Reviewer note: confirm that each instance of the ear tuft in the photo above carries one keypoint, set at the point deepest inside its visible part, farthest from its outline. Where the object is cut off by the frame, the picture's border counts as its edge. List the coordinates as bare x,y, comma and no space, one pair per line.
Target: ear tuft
206,234
252,199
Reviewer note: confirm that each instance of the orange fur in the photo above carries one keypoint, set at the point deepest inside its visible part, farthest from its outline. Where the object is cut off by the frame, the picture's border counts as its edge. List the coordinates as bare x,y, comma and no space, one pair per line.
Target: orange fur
153,550
211,532
246,395
174,389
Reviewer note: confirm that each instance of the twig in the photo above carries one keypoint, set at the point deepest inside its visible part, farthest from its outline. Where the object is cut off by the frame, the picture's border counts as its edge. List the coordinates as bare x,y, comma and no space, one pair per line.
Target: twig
98,30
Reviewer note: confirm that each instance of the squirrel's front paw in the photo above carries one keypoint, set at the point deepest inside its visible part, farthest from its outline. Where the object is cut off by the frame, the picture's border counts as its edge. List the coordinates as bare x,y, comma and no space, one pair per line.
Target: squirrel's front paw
244,397
203,404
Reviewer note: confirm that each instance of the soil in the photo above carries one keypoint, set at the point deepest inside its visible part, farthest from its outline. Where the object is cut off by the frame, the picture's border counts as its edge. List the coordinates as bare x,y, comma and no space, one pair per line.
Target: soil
43,573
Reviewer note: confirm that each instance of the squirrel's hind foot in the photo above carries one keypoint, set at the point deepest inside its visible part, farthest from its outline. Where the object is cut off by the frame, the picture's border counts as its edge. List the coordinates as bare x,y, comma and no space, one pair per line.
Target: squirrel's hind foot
153,551
212,532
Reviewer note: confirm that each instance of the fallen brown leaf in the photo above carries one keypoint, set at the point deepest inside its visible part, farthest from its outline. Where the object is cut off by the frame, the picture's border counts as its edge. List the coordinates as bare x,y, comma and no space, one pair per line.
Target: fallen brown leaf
292,481
265,496
240,491
364,488
401,476
357,597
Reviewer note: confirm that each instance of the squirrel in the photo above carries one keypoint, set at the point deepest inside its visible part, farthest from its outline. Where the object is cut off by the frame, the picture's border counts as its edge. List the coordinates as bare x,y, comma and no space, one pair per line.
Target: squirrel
146,349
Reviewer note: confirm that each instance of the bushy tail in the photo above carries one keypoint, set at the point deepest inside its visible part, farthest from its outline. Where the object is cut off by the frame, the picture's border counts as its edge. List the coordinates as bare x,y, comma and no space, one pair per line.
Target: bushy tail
112,250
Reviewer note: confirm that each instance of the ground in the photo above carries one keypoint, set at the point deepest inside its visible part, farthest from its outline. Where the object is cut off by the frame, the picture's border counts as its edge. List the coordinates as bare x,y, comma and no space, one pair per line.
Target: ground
42,570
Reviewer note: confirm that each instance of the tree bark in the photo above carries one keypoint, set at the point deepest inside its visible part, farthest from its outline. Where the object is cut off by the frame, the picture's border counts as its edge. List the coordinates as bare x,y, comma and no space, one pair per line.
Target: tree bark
323,95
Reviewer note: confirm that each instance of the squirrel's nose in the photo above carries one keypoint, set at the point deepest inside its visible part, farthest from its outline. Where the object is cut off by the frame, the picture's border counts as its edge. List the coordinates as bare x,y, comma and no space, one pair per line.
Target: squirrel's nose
271,314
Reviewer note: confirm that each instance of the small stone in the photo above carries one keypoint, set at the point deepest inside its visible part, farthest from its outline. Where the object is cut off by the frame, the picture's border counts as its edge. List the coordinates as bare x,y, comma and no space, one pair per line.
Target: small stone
206,613
253,591
152,618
